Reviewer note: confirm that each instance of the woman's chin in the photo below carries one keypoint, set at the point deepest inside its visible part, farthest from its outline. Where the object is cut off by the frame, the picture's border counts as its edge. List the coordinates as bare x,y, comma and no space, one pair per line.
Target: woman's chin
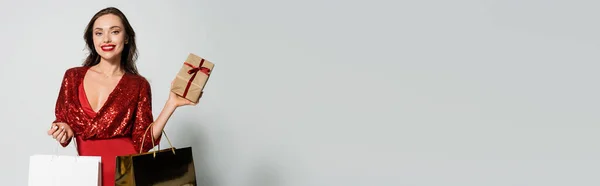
109,57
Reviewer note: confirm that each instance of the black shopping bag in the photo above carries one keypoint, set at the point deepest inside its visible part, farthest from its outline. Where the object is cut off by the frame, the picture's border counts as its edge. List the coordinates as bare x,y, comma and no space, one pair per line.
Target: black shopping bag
172,167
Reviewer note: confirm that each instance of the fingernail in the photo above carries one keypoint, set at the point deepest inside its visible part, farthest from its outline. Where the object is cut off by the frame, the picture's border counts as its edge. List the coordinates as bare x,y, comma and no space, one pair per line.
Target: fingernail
55,127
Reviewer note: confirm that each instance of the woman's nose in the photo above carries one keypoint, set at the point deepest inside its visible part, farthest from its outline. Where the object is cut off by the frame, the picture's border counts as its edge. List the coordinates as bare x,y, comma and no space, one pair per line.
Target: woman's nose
106,38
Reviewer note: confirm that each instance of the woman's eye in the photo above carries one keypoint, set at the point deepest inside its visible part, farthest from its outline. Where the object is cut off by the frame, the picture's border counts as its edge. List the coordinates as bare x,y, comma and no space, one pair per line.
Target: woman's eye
98,33
115,32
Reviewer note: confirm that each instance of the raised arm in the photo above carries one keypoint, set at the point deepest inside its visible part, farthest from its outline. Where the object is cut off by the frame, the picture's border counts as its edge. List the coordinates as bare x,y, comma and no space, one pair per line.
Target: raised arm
144,117
143,120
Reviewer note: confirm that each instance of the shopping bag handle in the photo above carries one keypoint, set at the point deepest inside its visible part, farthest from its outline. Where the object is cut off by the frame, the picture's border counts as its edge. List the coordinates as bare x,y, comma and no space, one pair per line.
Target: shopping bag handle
144,139
74,143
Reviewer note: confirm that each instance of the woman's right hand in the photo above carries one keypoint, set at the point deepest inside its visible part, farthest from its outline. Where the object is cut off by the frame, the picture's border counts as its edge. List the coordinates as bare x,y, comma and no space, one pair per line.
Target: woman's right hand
61,132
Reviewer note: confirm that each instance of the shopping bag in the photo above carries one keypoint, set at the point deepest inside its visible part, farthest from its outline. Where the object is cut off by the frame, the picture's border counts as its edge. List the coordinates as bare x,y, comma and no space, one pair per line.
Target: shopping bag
64,170
172,166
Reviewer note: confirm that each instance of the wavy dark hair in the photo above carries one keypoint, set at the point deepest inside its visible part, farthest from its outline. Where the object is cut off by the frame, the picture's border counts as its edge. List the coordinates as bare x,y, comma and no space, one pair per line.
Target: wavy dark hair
129,54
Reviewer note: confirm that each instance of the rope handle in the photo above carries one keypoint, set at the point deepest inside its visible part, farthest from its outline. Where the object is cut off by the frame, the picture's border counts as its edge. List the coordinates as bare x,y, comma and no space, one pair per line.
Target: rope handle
144,139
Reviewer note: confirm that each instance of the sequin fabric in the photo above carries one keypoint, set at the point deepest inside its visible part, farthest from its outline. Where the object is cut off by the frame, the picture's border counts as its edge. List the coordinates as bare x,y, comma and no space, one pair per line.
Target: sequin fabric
127,111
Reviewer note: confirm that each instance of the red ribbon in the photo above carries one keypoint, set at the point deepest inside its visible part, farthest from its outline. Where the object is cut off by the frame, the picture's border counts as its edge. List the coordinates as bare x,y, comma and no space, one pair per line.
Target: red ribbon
194,71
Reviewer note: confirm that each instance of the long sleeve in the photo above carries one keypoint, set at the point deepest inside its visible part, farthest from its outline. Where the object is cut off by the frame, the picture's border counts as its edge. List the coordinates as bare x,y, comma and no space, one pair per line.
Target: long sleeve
143,119
60,110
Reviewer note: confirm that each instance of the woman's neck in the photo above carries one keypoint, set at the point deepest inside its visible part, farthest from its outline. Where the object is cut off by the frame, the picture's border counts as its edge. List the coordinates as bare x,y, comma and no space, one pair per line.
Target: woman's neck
109,68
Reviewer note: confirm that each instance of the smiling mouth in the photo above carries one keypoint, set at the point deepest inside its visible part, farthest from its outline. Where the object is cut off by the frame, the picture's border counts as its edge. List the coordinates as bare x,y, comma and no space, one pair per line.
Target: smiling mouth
107,48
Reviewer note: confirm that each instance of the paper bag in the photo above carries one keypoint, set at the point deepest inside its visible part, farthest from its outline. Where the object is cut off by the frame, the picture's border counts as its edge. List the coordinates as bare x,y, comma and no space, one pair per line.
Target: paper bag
166,167
61,170
173,166
192,77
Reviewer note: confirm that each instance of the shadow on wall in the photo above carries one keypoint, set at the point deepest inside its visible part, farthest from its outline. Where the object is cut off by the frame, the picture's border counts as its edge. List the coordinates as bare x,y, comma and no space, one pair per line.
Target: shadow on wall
194,135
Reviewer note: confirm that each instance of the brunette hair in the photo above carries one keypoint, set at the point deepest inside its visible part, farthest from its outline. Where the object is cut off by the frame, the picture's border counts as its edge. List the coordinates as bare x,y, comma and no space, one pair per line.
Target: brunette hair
129,54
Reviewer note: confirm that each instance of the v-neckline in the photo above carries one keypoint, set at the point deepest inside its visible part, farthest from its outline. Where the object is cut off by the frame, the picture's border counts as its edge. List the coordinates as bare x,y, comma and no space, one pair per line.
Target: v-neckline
110,95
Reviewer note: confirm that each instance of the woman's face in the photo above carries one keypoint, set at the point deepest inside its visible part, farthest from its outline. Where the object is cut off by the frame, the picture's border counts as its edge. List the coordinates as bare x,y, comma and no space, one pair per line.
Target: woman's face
109,37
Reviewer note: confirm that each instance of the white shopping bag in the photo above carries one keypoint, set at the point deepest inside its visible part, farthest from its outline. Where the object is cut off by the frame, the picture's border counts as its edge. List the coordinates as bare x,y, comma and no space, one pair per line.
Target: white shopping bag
64,170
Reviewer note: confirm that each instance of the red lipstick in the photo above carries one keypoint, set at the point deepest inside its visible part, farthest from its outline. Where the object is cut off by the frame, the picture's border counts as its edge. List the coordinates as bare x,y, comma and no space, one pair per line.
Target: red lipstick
107,47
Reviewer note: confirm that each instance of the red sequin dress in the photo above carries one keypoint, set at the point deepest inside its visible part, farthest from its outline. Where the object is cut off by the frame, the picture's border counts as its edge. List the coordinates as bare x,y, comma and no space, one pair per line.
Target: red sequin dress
116,129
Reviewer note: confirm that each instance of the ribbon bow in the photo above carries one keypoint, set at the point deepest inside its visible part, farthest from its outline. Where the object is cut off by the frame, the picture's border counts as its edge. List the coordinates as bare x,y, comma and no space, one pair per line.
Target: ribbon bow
194,71
200,68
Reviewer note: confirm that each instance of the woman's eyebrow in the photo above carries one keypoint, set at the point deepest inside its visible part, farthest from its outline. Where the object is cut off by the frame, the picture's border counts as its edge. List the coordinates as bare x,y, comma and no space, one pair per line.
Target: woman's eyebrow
112,27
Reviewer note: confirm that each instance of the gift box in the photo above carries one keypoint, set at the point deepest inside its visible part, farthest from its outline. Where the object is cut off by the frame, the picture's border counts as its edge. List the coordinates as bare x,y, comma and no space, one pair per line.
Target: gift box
192,77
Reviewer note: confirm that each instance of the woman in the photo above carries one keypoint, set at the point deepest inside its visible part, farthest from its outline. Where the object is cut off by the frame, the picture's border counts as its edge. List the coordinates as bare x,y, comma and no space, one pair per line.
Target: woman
106,104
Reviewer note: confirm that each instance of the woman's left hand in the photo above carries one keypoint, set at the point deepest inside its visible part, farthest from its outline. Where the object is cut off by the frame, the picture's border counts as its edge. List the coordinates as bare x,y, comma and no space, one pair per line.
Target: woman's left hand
178,101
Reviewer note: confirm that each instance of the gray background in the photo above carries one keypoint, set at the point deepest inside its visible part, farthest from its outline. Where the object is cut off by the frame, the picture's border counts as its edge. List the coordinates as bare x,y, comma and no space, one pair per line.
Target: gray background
323,93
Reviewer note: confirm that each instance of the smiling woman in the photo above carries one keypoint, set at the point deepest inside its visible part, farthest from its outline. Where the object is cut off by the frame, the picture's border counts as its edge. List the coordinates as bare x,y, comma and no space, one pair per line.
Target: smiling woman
106,104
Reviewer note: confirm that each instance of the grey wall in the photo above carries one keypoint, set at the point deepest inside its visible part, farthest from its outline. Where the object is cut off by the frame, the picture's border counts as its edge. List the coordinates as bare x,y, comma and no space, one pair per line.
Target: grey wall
311,93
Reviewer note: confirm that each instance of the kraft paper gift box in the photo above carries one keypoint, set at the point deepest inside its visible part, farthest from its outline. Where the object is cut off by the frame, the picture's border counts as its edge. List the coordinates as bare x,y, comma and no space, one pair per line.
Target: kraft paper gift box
192,77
